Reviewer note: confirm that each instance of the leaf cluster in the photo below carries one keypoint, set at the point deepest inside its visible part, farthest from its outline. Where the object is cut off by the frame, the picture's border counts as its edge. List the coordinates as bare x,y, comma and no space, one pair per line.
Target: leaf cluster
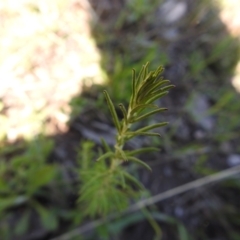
26,173
102,189
22,181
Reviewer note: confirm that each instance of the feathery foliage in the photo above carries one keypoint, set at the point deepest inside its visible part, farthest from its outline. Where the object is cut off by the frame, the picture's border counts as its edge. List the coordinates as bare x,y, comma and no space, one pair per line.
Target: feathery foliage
106,185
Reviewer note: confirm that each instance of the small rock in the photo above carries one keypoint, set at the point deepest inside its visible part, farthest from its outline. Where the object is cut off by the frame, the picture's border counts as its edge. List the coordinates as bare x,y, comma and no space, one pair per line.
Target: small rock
172,11
167,171
179,212
199,134
198,108
233,160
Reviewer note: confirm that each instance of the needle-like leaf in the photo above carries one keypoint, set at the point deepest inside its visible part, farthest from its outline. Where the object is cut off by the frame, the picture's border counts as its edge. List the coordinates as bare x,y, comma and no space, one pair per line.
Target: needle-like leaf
145,72
124,111
105,155
133,180
148,81
137,119
141,150
140,76
134,159
112,111
166,88
132,100
147,128
141,107
156,85
105,145
155,97
130,135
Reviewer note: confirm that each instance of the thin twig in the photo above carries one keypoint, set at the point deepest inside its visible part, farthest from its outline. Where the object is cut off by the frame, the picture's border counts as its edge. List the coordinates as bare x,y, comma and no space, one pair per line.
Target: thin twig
152,200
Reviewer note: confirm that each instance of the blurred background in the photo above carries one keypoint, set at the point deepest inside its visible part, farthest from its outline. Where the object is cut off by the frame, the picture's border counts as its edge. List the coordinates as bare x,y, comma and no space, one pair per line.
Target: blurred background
57,56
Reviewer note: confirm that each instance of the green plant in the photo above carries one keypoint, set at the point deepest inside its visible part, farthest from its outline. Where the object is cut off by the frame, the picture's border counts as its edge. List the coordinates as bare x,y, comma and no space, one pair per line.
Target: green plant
106,185
22,181
120,87
136,10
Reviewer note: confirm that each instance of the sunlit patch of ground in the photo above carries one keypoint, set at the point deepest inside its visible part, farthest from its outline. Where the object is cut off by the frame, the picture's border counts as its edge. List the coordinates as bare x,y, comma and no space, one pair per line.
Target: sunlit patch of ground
231,18
230,15
46,50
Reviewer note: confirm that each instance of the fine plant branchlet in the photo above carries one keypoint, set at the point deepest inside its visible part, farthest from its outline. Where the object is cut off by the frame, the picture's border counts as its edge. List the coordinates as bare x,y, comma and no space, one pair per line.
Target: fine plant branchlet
106,185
